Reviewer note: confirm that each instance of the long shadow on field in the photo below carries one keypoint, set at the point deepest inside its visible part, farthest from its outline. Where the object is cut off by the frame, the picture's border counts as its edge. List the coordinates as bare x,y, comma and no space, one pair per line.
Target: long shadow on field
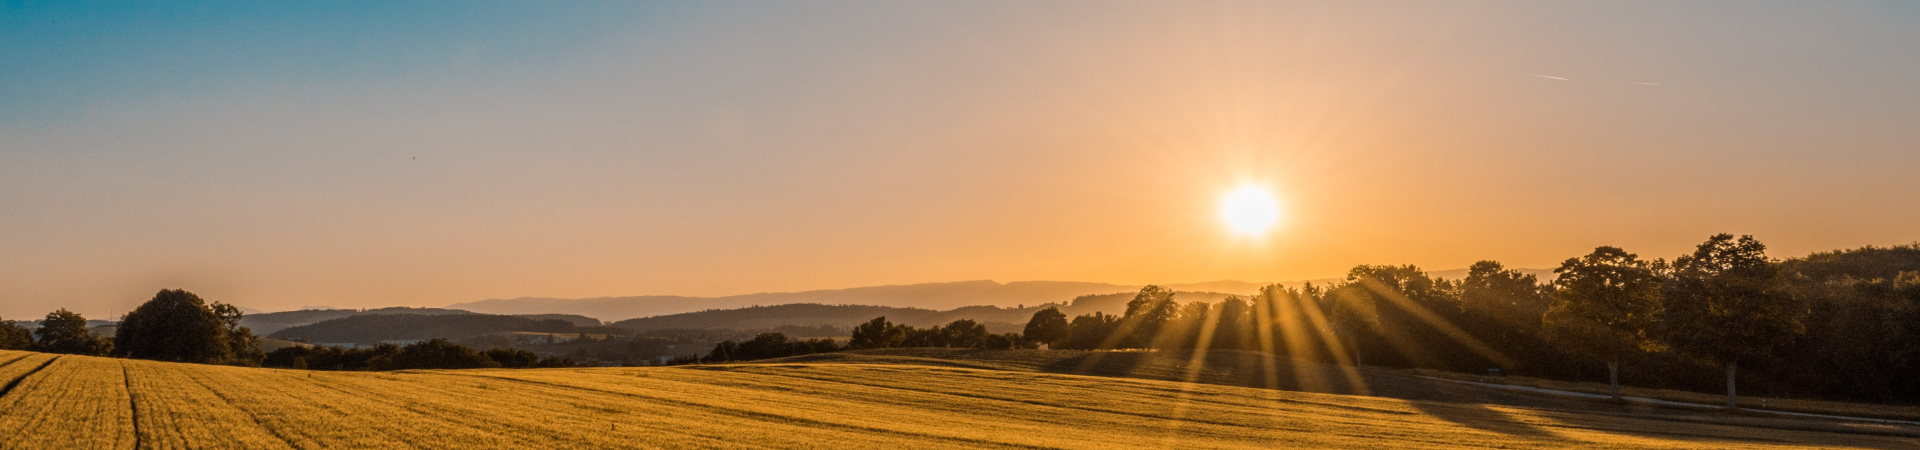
1481,417
1466,403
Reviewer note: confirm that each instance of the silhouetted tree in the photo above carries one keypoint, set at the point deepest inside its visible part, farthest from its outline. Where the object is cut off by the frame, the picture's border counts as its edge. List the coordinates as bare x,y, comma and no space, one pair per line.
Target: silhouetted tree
1605,305
1504,308
1047,326
178,326
246,351
14,337
440,354
1091,332
722,352
1354,314
764,346
512,358
1231,332
65,331
1009,341
1727,302
924,337
1186,329
876,333
1147,313
965,333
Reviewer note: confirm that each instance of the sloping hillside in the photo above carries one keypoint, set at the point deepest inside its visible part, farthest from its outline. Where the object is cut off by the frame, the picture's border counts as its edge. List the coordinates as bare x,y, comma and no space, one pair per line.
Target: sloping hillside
269,323
935,296
376,328
997,319
88,402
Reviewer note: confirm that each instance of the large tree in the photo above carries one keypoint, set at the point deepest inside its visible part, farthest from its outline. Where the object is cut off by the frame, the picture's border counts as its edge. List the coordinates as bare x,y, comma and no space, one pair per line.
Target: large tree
1605,304
65,331
1728,302
177,325
1047,326
1147,313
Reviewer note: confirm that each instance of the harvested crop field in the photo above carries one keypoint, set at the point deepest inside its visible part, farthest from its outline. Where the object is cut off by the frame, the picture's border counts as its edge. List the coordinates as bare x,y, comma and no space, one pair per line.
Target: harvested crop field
74,401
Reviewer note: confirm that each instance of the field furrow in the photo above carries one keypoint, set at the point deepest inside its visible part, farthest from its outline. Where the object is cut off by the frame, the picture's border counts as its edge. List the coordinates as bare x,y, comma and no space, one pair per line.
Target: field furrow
18,367
89,402
176,411
76,402
772,429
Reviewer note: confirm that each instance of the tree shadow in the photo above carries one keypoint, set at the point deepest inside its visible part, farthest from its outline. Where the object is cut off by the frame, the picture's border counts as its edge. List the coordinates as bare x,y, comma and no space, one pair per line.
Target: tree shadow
1482,417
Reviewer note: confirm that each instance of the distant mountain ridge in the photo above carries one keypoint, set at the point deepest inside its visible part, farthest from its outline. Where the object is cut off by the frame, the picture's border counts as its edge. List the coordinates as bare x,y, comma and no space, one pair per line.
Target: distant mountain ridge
997,319
926,296
933,296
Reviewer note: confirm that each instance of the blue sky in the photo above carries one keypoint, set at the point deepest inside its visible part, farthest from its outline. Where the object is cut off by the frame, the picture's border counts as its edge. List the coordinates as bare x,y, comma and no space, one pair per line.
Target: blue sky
63,58
366,154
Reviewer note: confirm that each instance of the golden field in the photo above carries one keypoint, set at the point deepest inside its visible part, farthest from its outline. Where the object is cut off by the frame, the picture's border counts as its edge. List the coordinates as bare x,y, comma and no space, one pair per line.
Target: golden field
55,401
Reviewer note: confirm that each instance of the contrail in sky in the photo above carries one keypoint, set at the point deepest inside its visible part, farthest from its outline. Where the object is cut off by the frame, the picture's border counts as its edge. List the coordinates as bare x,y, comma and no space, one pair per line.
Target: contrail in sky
1556,78
1649,84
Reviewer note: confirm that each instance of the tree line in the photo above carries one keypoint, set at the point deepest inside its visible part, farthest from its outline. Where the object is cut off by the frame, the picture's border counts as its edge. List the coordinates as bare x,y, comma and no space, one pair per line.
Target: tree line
175,325
1831,325
1834,325
876,333
178,326
429,354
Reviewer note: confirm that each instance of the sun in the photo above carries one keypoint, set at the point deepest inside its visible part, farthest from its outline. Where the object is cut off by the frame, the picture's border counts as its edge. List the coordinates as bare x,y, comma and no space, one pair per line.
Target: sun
1250,210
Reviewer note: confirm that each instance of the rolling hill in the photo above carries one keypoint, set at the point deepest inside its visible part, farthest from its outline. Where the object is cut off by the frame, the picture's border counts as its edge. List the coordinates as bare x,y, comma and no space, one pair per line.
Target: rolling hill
88,402
997,319
933,296
368,329
265,324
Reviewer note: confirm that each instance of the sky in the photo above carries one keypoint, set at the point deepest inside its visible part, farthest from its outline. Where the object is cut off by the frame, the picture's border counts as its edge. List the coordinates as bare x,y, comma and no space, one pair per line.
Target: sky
277,155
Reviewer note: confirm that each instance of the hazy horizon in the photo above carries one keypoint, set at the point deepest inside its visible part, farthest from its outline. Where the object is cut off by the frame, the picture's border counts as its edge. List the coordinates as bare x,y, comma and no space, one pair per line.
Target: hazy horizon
424,154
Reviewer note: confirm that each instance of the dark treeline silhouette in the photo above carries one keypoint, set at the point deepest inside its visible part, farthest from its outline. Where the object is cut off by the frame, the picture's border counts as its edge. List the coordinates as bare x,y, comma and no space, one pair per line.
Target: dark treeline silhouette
62,331
877,333
428,354
765,346
175,325
1831,325
963,333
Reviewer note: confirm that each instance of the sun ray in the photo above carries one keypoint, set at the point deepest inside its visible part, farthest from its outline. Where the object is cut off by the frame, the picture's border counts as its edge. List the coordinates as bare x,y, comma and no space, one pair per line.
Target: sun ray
1434,320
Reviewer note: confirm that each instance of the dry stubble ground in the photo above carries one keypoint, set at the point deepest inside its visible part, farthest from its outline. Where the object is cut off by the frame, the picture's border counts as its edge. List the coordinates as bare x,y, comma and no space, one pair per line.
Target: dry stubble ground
86,402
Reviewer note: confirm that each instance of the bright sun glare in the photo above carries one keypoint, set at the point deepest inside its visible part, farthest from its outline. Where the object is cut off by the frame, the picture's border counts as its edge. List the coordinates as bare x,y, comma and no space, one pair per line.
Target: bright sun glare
1250,210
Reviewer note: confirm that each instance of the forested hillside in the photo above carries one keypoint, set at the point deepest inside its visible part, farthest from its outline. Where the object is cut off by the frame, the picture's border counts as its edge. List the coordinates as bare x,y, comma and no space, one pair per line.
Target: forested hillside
376,328
997,319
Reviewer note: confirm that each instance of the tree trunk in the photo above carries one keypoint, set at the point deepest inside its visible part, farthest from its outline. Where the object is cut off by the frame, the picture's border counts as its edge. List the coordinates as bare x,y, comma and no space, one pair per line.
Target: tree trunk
1613,376
1356,357
1356,353
1733,402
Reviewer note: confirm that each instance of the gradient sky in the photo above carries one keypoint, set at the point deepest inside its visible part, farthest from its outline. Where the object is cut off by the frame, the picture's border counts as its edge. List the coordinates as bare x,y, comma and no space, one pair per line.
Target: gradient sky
366,154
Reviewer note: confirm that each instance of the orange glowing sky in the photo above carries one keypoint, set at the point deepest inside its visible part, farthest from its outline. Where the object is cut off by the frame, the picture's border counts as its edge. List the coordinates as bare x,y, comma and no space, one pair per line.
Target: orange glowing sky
427,154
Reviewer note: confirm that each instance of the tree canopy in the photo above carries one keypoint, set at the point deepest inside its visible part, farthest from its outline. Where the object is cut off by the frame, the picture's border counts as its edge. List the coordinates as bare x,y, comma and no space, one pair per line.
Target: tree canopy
1727,302
179,326
66,331
1607,304
1047,326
